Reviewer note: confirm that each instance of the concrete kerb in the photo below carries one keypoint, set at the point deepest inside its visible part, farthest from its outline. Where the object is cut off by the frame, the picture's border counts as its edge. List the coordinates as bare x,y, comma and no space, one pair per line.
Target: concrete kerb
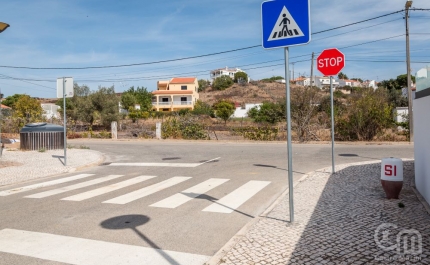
217,258
97,163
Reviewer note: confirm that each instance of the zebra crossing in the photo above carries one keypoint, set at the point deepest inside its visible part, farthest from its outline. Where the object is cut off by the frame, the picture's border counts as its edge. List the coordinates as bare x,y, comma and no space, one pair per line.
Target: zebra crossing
227,204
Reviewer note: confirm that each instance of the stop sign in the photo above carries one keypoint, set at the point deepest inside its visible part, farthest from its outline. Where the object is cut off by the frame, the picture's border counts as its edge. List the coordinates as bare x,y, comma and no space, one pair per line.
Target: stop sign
330,62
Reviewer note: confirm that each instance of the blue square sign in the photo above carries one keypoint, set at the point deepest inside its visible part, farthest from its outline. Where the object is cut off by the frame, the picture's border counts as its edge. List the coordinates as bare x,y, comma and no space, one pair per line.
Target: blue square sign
286,23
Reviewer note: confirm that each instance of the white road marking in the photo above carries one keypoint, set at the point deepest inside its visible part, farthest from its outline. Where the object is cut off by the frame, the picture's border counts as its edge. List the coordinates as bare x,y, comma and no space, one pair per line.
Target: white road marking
72,187
80,251
161,164
189,194
156,164
43,184
236,198
107,189
138,194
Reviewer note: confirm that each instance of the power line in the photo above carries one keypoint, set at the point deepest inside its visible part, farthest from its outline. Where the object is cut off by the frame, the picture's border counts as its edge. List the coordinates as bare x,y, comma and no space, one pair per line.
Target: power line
358,29
355,23
184,58
22,80
128,65
372,41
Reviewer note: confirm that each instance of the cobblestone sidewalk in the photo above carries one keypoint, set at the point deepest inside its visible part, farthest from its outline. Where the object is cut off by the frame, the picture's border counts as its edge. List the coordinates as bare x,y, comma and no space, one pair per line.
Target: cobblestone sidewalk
340,219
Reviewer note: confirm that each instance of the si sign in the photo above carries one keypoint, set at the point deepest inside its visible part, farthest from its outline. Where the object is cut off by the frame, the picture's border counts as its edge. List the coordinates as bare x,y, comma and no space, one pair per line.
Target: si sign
330,62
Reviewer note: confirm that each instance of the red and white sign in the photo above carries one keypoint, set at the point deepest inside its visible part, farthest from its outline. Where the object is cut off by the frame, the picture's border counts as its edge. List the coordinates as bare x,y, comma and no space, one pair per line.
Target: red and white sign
330,62
392,169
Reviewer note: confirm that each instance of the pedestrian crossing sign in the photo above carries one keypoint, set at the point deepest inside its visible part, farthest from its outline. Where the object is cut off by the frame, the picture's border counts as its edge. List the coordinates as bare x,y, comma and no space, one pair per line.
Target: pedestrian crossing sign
285,23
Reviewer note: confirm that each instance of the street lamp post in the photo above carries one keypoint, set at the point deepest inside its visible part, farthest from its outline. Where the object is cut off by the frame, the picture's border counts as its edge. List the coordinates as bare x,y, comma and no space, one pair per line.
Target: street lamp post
408,69
3,27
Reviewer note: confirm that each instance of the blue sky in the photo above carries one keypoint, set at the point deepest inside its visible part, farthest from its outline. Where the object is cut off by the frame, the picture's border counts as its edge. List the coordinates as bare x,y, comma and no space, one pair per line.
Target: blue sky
56,34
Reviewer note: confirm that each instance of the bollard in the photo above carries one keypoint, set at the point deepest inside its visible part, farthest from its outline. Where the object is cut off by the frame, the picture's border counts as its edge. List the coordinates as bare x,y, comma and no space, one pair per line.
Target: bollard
392,177
158,130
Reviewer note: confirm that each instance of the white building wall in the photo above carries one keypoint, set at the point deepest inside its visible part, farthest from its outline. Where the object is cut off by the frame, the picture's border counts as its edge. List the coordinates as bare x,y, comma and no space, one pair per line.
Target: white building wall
243,112
422,146
229,72
372,84
321,82
304,82
400,114
50,111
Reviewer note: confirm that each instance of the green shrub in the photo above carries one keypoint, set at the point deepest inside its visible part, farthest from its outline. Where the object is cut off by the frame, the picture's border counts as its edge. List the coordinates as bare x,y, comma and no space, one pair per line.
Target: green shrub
265,133
366,116
185,127
223,82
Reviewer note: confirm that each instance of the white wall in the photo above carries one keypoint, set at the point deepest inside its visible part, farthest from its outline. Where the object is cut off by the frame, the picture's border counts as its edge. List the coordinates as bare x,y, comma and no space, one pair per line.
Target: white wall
400,113
50,111
243,112
422,145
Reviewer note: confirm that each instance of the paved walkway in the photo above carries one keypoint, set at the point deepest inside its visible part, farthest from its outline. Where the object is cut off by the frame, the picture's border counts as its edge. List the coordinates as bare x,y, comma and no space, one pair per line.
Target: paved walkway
18,166
339,219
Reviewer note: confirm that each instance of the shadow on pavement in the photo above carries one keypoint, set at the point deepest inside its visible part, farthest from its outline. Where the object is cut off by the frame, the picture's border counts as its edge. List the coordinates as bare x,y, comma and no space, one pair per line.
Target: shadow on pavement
131,222
275,167
355,155
59,158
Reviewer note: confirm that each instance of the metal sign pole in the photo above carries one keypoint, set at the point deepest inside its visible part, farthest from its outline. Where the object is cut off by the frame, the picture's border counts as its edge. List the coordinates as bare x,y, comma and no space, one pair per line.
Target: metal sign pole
290,158
332,125
65,122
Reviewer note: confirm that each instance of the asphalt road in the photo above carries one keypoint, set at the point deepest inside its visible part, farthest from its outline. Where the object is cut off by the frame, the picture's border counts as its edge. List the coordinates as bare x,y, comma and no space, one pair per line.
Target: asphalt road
209,215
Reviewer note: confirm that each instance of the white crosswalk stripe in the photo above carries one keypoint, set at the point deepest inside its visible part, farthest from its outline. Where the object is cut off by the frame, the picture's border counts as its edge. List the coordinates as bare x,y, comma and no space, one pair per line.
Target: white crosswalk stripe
226,204
44,184
138,194
73,187
236,198
107,189
81,251
189,194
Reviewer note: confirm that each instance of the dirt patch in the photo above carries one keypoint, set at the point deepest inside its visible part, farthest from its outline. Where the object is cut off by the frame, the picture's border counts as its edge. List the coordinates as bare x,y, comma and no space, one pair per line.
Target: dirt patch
9,164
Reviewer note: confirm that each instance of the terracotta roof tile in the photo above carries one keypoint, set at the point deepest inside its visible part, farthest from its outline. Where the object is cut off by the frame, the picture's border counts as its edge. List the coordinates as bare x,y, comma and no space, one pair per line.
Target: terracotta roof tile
5,107
182,80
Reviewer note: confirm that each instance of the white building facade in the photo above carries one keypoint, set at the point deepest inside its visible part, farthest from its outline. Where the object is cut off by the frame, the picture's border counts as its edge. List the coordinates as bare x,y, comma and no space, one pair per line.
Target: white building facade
324,81
351,83
242,112
225,71
50,111
421,107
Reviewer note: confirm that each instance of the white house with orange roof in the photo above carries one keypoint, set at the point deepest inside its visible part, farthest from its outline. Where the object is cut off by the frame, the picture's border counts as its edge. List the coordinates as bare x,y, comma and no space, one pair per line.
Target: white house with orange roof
4,107
176,94
303,81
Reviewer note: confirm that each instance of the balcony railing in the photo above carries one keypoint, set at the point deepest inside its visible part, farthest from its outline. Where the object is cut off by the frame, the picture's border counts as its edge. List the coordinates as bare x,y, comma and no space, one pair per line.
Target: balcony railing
184,103
161,103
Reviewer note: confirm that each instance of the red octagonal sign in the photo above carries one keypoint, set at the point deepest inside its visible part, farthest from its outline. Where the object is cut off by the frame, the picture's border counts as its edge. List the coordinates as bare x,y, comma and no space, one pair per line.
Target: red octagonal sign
330,62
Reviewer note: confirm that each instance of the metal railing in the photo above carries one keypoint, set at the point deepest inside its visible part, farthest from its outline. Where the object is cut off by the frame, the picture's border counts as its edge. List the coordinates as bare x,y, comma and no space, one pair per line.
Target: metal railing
182,102
187,103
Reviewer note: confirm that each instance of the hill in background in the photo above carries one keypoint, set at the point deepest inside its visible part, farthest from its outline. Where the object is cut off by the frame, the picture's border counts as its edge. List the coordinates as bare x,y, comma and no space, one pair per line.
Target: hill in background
254,92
